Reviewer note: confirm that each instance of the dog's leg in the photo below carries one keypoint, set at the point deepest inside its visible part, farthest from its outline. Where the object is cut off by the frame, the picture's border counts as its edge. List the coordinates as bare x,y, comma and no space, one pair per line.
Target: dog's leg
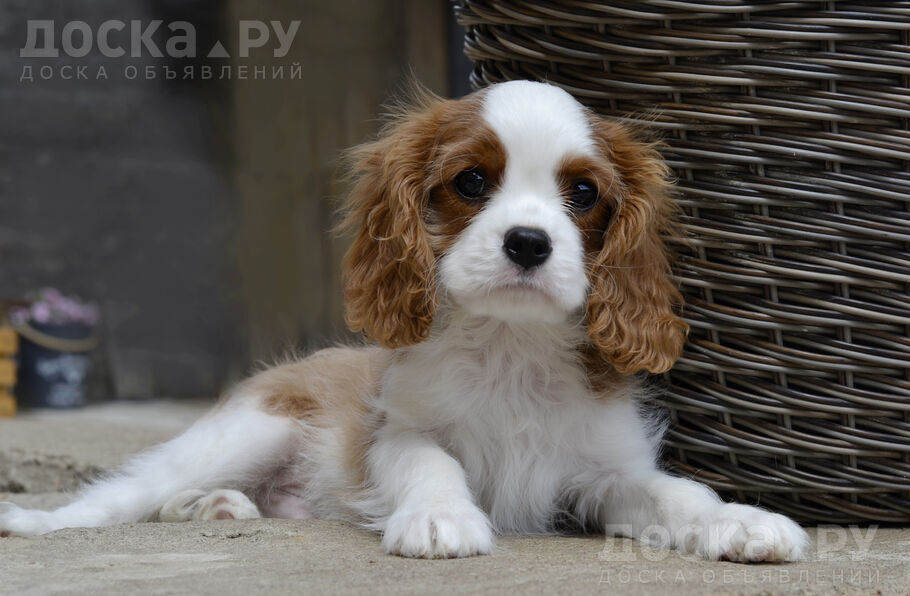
427,508
233,447
668,511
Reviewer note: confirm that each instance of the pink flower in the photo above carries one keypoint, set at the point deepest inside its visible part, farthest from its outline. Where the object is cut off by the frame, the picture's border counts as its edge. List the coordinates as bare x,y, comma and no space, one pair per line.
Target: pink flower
41,312
68,310
51,306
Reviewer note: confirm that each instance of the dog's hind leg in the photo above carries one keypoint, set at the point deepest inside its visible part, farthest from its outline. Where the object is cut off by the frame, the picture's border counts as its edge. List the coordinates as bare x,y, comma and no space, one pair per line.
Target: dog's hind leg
235,447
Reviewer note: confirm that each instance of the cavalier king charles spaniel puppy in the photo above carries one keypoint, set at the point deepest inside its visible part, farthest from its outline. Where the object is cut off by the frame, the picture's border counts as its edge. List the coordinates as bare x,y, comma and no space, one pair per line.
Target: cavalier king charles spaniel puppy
509,262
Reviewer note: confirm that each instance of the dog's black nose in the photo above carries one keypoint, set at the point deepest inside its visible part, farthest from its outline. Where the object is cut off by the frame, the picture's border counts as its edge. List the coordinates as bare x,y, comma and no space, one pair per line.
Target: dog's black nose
529,247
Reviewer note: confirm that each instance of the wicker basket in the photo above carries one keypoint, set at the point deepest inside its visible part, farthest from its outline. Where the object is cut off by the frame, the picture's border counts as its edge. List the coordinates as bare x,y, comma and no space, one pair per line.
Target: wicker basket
788,124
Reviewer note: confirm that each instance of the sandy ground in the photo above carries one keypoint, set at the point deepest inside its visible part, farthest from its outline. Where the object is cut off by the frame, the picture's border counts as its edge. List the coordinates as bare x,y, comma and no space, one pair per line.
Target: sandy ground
42,455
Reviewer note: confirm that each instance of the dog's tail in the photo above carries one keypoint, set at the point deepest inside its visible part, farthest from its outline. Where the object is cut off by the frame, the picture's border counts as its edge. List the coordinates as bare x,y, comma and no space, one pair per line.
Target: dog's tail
235,446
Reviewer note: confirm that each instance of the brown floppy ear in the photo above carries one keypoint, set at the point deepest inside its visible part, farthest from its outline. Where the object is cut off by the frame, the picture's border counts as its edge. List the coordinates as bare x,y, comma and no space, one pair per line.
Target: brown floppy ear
388,271
632,305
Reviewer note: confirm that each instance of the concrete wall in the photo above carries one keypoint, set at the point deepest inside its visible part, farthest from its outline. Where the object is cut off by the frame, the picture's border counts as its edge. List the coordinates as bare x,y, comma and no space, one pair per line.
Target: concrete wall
110,189
196,213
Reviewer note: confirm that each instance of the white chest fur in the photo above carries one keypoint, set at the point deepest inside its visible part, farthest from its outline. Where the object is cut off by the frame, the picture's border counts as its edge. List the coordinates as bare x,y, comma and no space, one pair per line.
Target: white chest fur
513,406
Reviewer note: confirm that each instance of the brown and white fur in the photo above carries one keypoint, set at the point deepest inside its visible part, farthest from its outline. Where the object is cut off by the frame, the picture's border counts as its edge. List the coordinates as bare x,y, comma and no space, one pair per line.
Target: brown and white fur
503,398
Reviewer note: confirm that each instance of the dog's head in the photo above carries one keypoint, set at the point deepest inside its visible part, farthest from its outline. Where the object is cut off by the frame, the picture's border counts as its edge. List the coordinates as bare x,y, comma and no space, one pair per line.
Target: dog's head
515,203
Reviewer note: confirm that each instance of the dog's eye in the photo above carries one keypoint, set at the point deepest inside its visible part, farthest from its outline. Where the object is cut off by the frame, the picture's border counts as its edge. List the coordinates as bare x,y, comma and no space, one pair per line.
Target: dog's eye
582,195
470,184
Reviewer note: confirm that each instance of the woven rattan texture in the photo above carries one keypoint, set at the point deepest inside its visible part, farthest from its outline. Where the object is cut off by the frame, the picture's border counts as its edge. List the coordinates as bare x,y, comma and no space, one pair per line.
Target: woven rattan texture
788,125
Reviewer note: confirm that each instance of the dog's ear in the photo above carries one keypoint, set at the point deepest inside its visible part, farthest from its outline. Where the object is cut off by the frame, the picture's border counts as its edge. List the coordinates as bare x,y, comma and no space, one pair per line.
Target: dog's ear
632,307
389,285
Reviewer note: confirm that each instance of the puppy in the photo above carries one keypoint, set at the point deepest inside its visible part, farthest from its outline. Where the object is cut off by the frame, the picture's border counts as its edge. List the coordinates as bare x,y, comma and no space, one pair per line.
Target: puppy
508,260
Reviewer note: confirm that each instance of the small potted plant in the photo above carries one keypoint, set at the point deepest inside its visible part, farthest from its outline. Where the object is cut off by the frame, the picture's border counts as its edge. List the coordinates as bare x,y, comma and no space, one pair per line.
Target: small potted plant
58,332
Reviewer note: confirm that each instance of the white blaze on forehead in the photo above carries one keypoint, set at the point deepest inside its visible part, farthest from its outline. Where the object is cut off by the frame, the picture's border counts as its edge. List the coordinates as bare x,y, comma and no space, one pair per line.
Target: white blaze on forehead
539,125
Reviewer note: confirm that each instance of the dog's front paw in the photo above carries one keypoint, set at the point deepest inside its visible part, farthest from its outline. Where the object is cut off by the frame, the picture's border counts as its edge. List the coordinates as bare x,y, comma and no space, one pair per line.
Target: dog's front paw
441,530
747,534
15,521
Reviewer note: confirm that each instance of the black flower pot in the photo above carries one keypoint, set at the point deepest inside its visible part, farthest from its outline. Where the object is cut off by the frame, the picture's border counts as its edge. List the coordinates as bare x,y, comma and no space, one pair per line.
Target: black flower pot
54,362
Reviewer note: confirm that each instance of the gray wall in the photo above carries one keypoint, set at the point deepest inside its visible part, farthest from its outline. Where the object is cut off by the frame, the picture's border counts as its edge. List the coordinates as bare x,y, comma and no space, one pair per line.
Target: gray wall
110,189
196,213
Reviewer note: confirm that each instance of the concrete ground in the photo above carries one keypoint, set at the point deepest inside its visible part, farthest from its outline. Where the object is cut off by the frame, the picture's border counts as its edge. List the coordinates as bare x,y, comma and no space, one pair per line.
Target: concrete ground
45,454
